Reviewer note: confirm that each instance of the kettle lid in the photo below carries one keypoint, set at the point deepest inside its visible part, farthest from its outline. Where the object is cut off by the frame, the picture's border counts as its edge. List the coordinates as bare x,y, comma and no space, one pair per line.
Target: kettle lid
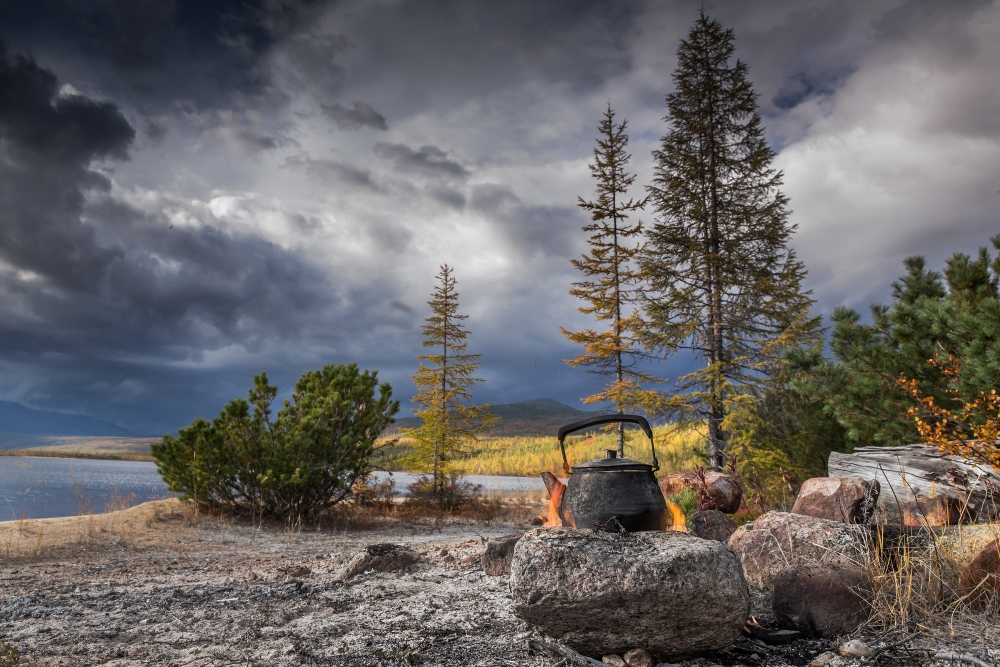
612,463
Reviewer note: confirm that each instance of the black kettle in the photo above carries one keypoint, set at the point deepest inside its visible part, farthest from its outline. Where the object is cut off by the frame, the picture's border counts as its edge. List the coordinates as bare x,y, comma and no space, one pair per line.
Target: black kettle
608,494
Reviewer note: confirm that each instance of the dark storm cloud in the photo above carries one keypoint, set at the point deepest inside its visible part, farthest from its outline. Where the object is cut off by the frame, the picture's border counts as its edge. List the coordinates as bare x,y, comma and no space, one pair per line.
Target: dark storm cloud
426,161
358,116
48,144
99,281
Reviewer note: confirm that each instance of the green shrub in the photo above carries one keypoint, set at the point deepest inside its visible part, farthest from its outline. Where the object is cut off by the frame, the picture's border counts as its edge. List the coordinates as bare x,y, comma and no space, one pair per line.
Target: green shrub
291,465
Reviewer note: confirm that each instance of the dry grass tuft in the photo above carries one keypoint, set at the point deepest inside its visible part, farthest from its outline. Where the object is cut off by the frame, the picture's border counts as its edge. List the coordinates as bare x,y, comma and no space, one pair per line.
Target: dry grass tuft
916,577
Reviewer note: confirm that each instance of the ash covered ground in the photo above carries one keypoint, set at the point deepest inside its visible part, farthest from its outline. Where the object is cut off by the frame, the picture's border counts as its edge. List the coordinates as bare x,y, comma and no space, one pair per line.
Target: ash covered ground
154,585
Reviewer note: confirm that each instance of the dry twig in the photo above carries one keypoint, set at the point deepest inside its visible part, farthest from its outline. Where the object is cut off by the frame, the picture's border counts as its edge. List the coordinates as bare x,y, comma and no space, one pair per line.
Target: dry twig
961,657
571,656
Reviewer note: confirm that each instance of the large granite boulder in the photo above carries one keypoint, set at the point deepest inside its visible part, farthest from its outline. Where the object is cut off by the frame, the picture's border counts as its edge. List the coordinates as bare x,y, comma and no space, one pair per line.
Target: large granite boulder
846,499
778,540
671,593
822,600
716,490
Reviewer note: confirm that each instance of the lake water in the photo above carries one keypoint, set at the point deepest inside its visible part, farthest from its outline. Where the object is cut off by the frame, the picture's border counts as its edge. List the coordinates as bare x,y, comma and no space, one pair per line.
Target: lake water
39,487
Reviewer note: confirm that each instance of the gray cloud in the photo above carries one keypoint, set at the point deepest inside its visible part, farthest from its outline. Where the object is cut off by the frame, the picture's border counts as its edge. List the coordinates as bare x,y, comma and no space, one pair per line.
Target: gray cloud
426,161
358,116
144,279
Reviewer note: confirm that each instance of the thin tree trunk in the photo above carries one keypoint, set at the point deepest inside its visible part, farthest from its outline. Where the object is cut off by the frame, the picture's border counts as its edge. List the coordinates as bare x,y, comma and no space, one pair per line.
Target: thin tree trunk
618,312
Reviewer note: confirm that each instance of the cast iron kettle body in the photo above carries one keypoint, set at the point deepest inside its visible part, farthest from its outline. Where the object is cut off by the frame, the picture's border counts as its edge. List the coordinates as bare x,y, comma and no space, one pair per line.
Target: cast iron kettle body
611,493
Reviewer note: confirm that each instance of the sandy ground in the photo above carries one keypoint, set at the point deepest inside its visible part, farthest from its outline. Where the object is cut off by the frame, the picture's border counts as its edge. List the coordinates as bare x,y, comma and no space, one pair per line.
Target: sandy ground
157,585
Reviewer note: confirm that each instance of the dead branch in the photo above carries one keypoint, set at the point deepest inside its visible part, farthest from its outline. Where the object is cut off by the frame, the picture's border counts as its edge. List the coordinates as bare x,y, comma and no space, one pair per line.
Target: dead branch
961,657
571,656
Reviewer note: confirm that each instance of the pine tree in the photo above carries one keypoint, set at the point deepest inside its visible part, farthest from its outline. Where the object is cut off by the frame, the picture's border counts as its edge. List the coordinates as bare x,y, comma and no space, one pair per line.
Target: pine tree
449,420
721,281
610,275
932,317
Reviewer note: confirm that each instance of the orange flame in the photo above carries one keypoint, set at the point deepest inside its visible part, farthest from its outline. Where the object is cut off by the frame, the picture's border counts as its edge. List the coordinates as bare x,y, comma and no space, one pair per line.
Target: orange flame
555,501
678,523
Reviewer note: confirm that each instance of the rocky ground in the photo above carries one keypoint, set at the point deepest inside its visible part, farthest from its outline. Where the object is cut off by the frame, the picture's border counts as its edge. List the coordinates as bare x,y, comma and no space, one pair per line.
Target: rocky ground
156,585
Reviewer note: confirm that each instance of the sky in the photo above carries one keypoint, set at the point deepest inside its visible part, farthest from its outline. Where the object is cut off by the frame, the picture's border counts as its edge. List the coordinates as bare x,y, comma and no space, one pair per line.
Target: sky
192,191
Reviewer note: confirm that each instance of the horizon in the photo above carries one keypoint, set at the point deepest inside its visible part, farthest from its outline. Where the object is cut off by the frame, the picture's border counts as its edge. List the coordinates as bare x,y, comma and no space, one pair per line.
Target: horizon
196,193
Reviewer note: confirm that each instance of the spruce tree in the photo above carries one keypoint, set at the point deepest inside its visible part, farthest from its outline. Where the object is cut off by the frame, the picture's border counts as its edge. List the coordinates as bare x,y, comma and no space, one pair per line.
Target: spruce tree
449,420
610,275
721,282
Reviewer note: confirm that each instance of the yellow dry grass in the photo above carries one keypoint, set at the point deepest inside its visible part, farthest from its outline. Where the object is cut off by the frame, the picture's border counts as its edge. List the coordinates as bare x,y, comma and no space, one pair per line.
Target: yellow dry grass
677,449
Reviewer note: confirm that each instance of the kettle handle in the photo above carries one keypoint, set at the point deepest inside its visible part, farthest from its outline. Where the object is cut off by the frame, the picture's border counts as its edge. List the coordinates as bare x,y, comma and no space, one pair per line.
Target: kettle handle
605,419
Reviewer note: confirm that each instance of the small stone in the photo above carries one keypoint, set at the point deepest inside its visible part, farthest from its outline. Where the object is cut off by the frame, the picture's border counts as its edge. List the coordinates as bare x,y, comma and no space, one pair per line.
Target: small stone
449,559
499,552
855,649
823,658
638,657
378,558
712,525
981,578
614,660
715,490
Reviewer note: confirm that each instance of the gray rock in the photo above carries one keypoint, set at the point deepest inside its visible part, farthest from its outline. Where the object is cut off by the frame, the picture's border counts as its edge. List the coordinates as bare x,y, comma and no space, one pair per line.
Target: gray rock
499,552
639,657
600,593
855,649
822,600
380,558
716,490
778,540
614,660
712,525
846,499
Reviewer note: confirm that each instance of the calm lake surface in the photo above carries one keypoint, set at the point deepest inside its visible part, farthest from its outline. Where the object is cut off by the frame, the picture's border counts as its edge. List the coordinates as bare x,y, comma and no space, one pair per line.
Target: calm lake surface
39,487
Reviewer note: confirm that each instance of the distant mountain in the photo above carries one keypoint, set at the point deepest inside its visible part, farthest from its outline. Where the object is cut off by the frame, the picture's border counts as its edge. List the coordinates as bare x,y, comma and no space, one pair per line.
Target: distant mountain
15,418
539,416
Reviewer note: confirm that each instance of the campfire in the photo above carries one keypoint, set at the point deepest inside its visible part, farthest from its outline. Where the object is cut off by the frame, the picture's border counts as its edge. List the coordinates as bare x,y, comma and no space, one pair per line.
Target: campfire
556,515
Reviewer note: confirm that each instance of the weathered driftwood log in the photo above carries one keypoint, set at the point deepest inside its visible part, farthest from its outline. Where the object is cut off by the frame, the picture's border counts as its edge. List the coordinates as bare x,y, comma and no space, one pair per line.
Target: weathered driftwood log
919,471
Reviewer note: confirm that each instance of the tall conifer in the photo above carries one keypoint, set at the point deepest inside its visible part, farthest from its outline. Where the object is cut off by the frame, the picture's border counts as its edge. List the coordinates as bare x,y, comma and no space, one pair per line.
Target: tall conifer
721,281
449,420
610,274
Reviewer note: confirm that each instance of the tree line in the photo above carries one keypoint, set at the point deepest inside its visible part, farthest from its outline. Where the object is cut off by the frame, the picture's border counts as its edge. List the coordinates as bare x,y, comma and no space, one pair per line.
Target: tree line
712,280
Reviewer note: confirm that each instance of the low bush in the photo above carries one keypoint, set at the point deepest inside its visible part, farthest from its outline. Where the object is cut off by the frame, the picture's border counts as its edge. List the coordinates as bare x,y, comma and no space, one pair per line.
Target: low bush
291,465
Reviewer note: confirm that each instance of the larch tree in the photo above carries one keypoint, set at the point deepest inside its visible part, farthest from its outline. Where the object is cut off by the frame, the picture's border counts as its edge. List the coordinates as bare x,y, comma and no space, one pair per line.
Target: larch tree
610,275
449,420
720,280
